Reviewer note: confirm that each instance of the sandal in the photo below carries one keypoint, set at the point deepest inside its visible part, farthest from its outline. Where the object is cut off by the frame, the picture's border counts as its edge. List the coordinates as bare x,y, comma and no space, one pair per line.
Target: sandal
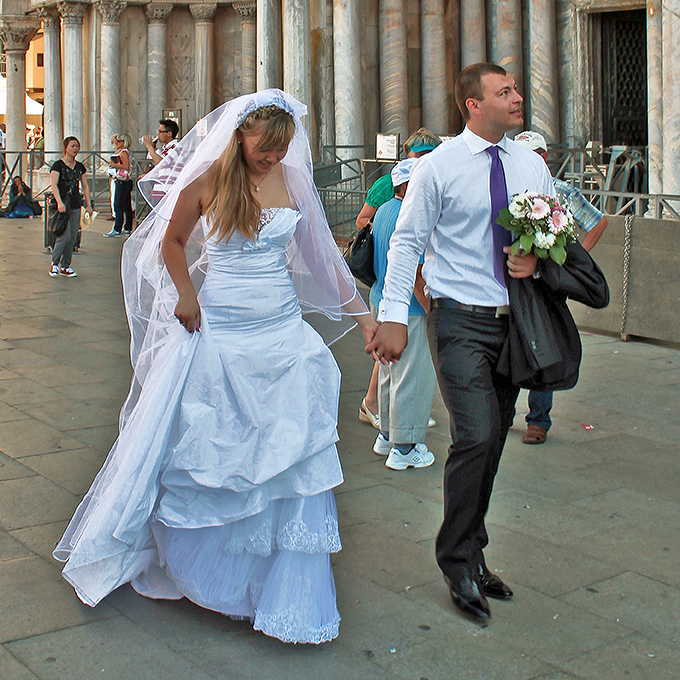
366,416
535,434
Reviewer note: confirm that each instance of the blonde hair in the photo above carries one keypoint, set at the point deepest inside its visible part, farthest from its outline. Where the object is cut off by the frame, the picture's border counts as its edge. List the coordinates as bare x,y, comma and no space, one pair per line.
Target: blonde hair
421,136
232,205
123,137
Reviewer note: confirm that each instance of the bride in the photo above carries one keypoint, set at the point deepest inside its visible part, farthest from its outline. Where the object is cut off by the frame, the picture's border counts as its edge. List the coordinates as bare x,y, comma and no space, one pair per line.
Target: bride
219,486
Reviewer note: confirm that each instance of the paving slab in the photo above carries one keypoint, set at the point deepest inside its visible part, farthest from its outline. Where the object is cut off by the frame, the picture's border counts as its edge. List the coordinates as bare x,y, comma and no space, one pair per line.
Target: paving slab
639,603
115,649
597,541
642,658
35,599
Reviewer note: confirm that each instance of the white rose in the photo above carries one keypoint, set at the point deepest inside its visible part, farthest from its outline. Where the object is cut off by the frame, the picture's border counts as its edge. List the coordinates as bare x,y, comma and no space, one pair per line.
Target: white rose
544,240
516,209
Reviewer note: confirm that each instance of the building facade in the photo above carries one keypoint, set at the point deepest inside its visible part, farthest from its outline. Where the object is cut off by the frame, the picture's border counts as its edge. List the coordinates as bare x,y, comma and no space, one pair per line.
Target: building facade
605,70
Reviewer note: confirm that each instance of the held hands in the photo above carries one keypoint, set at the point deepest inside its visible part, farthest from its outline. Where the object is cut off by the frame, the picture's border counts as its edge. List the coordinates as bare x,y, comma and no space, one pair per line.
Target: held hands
388,343
522,265
188,313
368,326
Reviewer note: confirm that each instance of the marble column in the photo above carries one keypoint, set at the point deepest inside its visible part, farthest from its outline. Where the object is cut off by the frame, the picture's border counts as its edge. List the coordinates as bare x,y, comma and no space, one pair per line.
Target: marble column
16,33
541,91
297,54
269,54
110,97
472,32
72,35
507,48
393,68
435,105
349,124
671,97
246,8
157,62
654,97
53,128
204,73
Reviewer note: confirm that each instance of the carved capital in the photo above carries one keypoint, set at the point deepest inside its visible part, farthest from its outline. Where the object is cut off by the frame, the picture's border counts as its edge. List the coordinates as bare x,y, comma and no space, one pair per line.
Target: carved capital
246,8
203,13
16,32
49,17
110,10
158,13
72,12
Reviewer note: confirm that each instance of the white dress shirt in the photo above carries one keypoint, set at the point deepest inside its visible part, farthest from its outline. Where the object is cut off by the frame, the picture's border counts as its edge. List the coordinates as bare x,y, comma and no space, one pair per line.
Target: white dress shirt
447,213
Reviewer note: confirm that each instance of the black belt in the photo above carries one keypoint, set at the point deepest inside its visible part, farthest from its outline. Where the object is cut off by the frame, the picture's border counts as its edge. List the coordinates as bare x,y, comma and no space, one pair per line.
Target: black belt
448,303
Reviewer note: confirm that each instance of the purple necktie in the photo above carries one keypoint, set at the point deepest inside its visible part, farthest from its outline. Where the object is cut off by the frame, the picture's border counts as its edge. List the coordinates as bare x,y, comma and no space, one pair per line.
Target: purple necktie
499,200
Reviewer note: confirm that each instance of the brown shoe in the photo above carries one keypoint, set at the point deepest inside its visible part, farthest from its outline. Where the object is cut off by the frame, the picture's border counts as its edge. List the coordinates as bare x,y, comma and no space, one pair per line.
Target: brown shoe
535,434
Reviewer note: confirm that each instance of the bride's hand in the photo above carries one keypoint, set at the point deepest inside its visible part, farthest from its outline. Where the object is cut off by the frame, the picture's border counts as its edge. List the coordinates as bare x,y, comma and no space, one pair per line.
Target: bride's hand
188,313
368,326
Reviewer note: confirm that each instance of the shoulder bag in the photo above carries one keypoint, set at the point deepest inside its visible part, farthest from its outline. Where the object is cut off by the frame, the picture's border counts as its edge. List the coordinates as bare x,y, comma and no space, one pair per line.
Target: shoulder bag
359,255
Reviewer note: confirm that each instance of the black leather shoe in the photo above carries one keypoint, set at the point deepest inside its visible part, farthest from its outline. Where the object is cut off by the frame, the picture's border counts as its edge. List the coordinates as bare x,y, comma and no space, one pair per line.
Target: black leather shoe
492,586
467,596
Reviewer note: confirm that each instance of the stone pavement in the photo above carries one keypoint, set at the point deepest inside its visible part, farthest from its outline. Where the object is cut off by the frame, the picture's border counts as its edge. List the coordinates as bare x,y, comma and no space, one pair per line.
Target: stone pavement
586,528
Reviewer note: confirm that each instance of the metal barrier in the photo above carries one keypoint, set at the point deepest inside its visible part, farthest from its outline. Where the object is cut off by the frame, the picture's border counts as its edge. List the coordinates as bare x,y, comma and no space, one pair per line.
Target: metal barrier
342,207
659,206
28,163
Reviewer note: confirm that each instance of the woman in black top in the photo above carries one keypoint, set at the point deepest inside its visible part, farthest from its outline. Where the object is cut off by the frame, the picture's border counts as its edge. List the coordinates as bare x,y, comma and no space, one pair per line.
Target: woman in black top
67,176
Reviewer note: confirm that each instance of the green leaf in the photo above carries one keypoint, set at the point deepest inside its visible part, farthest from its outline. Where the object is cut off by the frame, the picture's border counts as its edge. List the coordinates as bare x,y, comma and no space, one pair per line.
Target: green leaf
514,248
561,240
505,219
542,253
558,254
526,241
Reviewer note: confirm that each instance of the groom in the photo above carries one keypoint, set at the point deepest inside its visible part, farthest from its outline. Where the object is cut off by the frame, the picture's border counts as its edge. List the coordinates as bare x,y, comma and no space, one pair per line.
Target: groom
454,197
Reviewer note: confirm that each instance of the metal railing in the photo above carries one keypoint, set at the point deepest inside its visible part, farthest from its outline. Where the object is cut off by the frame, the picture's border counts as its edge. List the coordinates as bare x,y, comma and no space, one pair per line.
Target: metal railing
28,164
658,206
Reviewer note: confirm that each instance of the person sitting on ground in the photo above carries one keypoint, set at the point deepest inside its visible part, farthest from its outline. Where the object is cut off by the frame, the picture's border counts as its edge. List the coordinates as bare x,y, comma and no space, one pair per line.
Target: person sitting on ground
21,201
167,137
590,220
405,388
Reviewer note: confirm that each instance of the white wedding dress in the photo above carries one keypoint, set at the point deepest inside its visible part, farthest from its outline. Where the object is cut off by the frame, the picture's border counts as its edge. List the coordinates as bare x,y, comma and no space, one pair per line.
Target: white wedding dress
219,485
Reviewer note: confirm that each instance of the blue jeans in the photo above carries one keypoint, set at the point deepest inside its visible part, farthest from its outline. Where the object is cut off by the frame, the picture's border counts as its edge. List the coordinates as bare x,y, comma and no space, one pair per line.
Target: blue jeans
540,404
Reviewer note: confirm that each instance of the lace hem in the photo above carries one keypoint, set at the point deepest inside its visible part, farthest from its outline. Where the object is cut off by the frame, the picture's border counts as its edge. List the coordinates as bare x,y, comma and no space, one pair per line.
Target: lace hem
286,628
295,535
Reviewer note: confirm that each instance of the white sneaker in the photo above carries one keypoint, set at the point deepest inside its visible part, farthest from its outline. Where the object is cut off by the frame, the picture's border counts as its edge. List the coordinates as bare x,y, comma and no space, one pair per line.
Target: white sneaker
431,422
417,457
67,271
382,447
54,270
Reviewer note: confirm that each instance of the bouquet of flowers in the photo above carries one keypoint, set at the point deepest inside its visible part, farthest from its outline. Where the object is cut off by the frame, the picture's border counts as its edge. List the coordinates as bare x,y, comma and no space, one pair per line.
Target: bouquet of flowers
539,223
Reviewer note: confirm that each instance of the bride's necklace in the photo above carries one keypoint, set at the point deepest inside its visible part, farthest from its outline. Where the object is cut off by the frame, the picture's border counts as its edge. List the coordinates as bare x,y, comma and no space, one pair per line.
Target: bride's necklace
257,185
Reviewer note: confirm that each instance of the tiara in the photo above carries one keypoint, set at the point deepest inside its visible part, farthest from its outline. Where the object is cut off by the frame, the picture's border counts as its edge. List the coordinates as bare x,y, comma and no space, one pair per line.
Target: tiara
275,100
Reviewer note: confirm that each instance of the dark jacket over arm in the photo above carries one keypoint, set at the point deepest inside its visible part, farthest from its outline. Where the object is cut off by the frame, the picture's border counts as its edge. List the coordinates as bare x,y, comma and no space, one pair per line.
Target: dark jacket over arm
543,347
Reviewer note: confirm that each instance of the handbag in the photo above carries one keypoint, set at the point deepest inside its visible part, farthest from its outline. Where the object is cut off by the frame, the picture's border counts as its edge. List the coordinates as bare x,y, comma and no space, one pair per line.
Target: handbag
57,222
359,256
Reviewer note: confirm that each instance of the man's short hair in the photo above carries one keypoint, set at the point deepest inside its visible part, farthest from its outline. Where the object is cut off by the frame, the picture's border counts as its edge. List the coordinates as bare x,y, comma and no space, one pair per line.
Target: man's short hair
469,84
171,126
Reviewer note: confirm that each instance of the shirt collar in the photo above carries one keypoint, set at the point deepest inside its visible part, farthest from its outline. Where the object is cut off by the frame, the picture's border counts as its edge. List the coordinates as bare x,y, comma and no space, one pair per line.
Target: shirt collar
477,144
